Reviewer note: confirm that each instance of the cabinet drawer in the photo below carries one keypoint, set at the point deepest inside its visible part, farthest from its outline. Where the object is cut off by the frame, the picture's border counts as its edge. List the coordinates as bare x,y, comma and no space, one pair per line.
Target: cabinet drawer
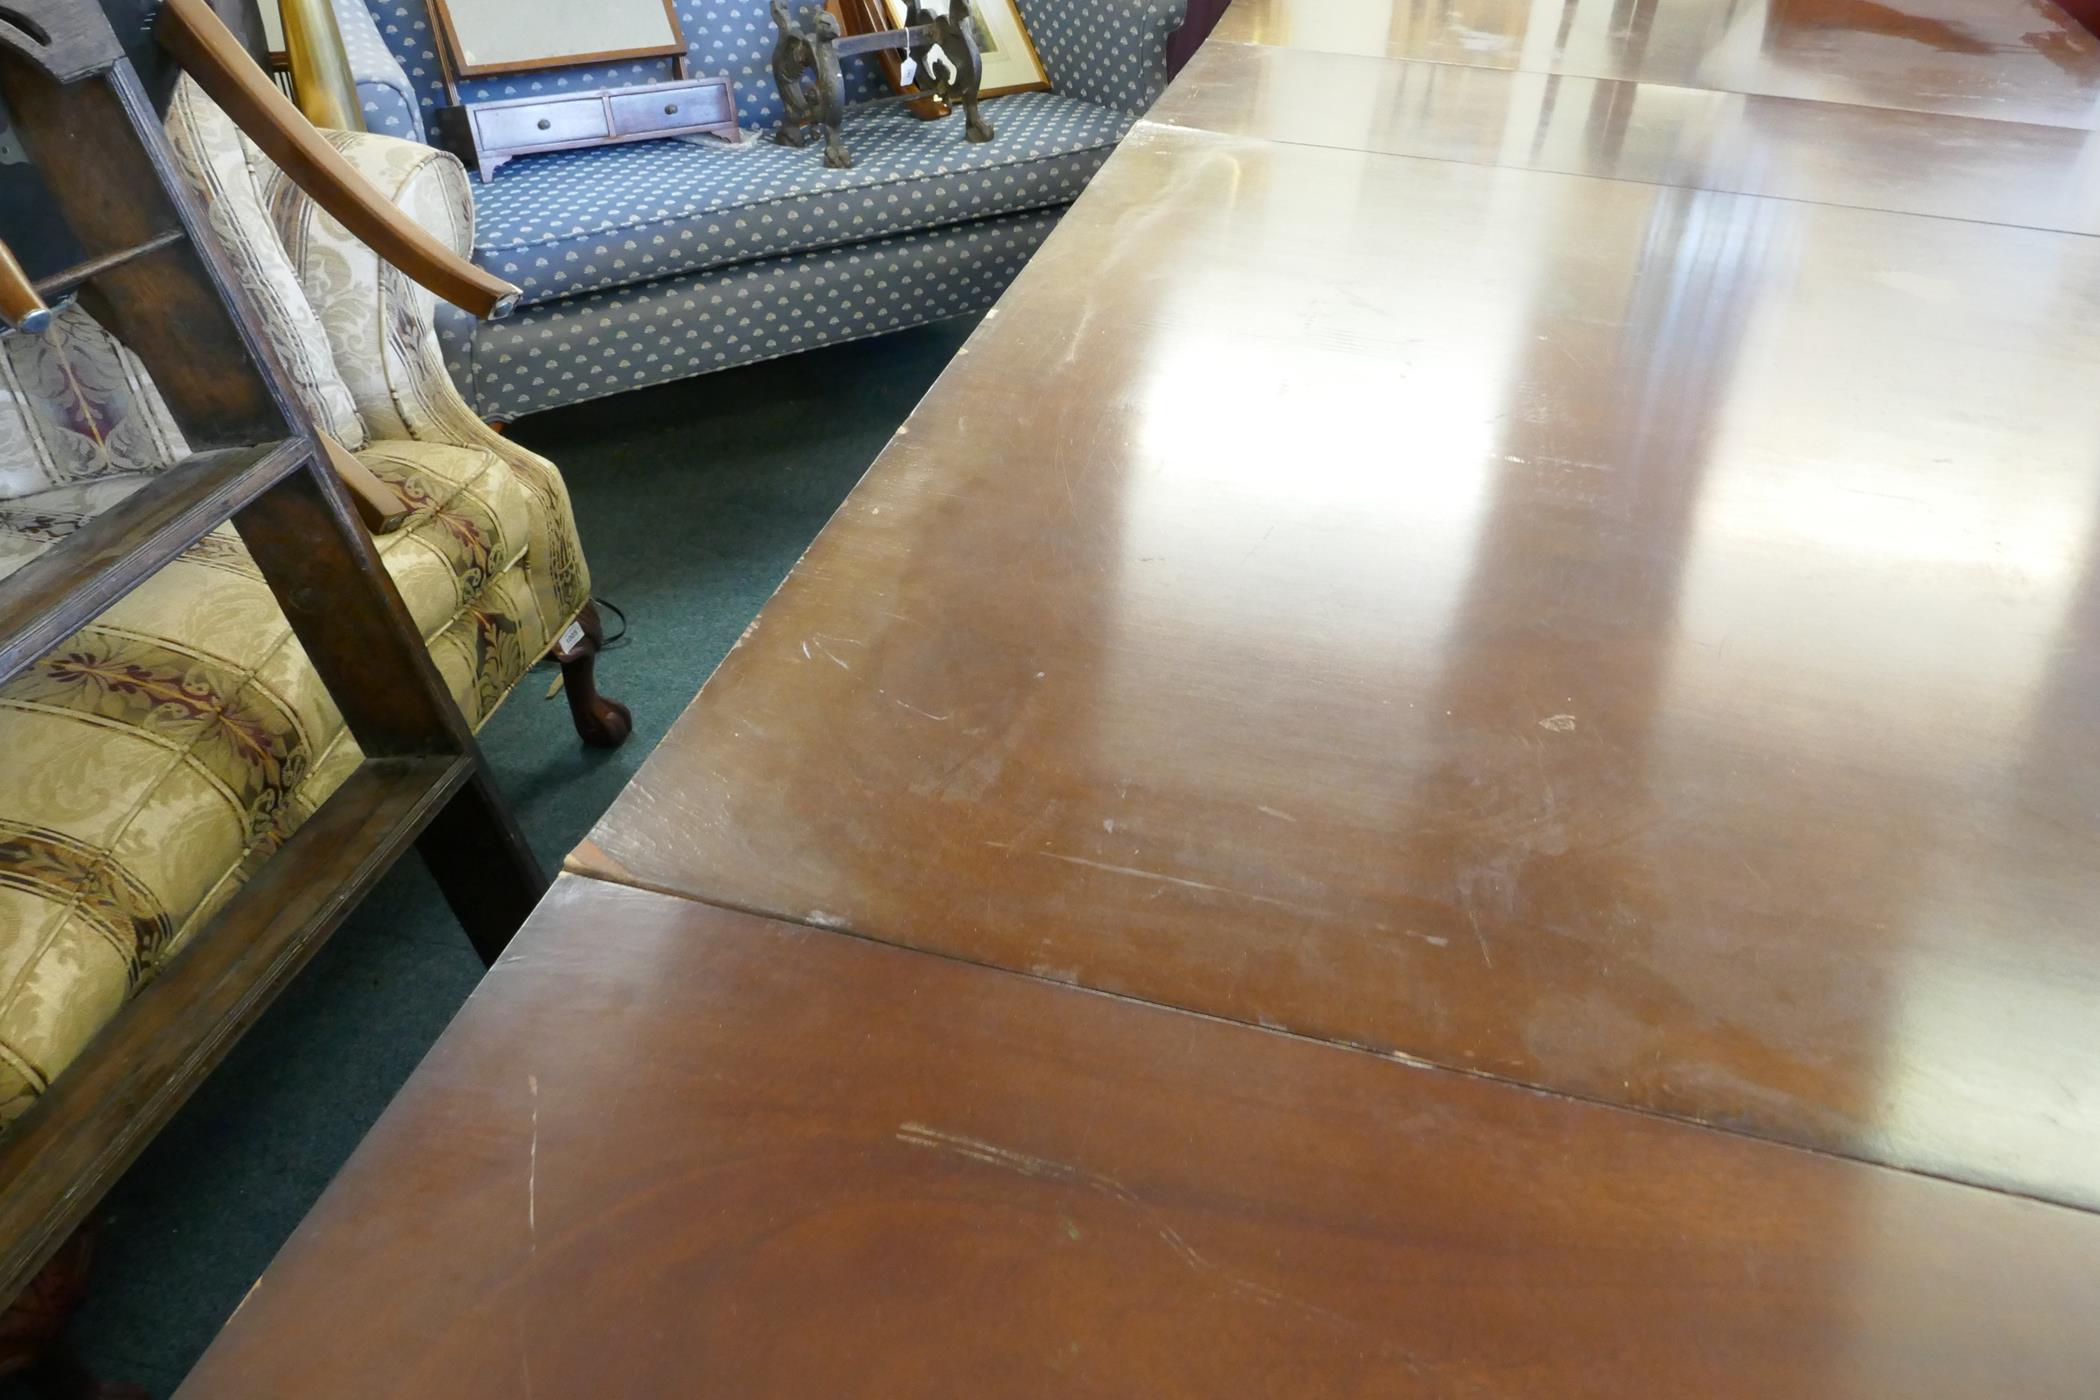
668,109
541,123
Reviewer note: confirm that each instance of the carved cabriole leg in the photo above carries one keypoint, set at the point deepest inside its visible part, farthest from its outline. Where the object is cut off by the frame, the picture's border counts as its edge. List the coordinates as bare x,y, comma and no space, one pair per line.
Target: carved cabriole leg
835,153
601,722
32,1329
975,127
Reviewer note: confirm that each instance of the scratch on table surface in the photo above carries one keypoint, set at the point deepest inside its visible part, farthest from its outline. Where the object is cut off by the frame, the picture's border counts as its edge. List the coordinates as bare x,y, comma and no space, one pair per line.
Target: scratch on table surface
532,1173
1280,815
1479,937
829,654
1029,1164
914,708
1026,1163
1183,881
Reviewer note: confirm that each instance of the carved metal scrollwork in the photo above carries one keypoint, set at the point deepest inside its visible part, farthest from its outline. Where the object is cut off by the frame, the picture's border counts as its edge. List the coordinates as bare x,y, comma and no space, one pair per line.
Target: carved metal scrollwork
940,44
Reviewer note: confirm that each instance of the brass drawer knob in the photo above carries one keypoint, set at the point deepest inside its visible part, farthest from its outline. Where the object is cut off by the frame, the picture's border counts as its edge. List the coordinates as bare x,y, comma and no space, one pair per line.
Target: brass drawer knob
544,123
670,109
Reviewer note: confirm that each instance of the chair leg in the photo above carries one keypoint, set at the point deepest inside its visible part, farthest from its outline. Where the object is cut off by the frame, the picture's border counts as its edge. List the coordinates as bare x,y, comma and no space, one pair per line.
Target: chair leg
32,1343
601,722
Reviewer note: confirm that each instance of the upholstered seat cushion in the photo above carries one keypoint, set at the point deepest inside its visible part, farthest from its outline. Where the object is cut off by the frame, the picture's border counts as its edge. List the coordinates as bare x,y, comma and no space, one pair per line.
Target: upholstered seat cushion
582,221
154,758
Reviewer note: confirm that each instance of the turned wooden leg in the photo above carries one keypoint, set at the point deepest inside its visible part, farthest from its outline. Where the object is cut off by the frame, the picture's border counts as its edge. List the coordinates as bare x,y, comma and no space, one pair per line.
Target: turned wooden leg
603,723
32,1330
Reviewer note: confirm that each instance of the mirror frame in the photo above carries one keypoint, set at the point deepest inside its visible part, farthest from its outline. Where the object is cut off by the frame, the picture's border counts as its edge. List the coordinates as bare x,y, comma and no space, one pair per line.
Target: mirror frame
448,36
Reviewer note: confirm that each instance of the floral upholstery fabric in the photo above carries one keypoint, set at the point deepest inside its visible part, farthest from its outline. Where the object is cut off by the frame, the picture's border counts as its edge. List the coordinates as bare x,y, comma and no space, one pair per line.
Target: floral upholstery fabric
585,347
671,241
81,427
74,407
387,354
158,756
583,221
232,175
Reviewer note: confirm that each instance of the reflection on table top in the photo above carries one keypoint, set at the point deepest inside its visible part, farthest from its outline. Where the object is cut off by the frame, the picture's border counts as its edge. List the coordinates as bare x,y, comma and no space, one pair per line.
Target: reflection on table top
1905,162
671,1150
2022,60
1632,639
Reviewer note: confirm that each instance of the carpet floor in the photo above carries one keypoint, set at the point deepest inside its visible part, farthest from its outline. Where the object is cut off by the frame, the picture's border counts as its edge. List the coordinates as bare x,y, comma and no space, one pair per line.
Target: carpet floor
693,500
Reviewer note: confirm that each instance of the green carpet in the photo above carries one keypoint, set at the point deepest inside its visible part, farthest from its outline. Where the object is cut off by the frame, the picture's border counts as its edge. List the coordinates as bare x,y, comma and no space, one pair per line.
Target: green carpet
693,500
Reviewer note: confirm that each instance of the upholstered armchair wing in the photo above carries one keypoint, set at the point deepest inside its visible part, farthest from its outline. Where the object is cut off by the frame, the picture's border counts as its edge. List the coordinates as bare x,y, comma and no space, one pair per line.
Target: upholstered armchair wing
381,331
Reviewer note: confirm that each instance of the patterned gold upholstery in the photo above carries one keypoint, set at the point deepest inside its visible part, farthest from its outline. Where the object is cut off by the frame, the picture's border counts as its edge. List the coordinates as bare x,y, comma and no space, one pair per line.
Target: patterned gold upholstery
157,756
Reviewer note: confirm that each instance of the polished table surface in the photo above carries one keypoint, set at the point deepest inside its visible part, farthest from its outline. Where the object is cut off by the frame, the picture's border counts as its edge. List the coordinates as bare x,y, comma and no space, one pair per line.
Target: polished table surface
1539,566
1637,636
2017,60
670,1150
1906,162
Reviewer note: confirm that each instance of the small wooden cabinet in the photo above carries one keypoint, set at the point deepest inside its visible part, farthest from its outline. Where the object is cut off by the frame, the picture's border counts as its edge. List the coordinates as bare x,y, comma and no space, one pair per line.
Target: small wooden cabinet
486,134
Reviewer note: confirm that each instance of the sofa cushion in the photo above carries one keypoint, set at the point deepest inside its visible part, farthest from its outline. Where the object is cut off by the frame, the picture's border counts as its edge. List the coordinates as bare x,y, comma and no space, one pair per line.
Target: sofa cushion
470,518
567,351
582,221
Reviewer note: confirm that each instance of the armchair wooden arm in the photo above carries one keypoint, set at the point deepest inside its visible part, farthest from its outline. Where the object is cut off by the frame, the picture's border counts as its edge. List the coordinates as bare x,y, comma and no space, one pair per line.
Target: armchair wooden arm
20,306
200,41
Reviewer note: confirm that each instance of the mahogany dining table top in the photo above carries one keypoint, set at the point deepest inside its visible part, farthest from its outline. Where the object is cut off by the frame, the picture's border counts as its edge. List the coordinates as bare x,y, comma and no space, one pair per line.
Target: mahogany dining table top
1459,755
672,1150
1538,567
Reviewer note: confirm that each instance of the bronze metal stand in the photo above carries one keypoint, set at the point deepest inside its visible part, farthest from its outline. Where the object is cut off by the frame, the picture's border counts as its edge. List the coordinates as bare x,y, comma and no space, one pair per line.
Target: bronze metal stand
813,89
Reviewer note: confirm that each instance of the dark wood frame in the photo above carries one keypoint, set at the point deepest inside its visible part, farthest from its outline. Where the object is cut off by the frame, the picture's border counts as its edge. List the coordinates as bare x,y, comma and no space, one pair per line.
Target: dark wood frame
452,53
157,279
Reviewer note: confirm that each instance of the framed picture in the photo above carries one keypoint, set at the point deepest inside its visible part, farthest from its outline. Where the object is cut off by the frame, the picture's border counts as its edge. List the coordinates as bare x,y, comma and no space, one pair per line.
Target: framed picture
1010,60
504,36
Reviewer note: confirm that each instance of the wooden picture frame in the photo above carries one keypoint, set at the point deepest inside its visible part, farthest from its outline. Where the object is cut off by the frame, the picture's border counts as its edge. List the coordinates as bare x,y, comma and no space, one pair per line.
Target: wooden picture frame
455,46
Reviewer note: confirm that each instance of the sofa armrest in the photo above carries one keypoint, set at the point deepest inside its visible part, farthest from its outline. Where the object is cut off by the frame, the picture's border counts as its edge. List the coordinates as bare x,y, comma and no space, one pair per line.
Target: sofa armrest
1110,52
383,89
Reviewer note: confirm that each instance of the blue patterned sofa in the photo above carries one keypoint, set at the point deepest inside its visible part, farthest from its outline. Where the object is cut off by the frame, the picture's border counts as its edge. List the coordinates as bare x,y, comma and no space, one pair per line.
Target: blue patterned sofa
649,262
